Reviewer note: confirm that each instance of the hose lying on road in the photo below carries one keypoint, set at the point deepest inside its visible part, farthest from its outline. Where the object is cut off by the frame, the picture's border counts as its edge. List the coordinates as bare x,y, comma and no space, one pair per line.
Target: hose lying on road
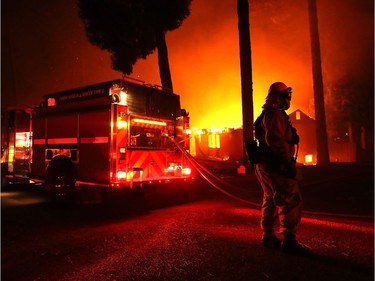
212,179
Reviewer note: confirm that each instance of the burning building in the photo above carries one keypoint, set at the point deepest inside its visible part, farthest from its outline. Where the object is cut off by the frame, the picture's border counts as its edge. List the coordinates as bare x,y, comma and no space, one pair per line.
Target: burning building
227,144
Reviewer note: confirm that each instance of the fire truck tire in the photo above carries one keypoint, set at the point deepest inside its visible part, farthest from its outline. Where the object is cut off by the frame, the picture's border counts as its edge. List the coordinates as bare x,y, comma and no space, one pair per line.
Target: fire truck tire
60,177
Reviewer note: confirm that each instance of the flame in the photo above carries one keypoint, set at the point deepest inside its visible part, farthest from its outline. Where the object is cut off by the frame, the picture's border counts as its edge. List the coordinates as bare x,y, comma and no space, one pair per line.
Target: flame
206,70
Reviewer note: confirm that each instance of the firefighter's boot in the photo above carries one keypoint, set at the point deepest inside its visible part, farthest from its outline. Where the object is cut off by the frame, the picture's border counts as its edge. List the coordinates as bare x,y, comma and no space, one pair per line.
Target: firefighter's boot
292,246
271,241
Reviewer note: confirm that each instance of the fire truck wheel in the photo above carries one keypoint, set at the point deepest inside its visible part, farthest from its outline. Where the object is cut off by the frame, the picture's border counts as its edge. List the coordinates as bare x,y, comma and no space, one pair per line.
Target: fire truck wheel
60,177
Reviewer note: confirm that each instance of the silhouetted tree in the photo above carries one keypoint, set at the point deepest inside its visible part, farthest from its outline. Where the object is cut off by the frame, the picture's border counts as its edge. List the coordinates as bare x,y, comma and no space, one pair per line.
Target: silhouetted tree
351,113
133,29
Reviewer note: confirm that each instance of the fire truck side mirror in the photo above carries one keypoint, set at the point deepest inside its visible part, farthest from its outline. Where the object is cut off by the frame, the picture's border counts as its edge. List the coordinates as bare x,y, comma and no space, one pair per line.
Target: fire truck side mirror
74,155
49,154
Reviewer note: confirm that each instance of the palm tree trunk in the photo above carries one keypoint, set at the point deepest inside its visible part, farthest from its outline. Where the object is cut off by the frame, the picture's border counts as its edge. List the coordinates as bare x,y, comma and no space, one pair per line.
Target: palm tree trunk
165,73
246,72
321,129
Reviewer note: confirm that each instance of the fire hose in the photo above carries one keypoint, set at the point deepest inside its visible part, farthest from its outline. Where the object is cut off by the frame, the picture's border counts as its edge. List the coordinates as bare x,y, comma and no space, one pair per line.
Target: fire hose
211,178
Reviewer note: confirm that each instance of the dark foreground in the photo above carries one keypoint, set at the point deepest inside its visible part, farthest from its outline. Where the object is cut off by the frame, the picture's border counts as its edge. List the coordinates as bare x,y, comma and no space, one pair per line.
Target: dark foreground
191,232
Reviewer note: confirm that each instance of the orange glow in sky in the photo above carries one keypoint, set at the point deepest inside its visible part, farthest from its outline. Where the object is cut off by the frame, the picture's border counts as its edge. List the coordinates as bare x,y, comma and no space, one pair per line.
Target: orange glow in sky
205,67
203,54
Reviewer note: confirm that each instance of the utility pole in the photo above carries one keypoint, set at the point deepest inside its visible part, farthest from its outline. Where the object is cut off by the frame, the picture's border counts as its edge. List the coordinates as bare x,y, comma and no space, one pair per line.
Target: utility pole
246,72
321,128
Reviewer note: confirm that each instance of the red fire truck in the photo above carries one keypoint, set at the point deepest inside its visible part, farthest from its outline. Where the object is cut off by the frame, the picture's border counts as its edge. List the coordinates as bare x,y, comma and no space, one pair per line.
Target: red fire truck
16,141
119,134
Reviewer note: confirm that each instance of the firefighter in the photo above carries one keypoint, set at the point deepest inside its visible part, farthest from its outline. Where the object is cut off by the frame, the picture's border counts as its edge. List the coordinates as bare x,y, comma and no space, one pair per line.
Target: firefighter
276,172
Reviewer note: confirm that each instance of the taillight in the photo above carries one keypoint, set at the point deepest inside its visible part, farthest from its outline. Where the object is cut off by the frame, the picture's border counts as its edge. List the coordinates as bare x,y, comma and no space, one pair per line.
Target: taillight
186,171
177,170
121,175
170,169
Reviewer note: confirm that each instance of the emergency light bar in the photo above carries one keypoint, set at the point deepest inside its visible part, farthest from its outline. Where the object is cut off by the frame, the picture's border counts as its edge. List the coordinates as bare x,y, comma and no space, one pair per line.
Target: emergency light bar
150,122
122,124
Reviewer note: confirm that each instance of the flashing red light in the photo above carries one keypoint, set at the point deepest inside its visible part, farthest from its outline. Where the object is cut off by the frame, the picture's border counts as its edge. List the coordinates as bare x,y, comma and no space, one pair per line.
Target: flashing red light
187,171
121,175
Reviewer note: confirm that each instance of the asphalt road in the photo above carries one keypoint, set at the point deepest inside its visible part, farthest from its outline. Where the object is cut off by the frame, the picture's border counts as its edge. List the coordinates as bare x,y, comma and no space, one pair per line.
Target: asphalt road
190,231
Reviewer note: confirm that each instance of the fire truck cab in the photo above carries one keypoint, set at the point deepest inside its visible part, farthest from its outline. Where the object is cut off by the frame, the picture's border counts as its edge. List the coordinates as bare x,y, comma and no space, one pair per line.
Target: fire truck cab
118,134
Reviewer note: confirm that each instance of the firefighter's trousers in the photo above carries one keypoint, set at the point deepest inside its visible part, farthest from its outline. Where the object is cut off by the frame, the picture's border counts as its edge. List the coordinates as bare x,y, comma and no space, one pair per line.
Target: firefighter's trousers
282,201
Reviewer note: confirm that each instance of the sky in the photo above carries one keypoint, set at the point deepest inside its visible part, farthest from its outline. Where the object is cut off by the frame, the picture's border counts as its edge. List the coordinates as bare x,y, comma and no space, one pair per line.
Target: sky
45,49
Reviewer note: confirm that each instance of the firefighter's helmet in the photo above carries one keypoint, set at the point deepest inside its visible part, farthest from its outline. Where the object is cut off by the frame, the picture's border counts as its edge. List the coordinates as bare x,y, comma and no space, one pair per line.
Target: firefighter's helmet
278,87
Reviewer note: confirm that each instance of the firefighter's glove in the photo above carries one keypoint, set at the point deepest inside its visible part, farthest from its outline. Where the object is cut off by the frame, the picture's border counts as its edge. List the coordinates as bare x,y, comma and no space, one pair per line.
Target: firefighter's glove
290,170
